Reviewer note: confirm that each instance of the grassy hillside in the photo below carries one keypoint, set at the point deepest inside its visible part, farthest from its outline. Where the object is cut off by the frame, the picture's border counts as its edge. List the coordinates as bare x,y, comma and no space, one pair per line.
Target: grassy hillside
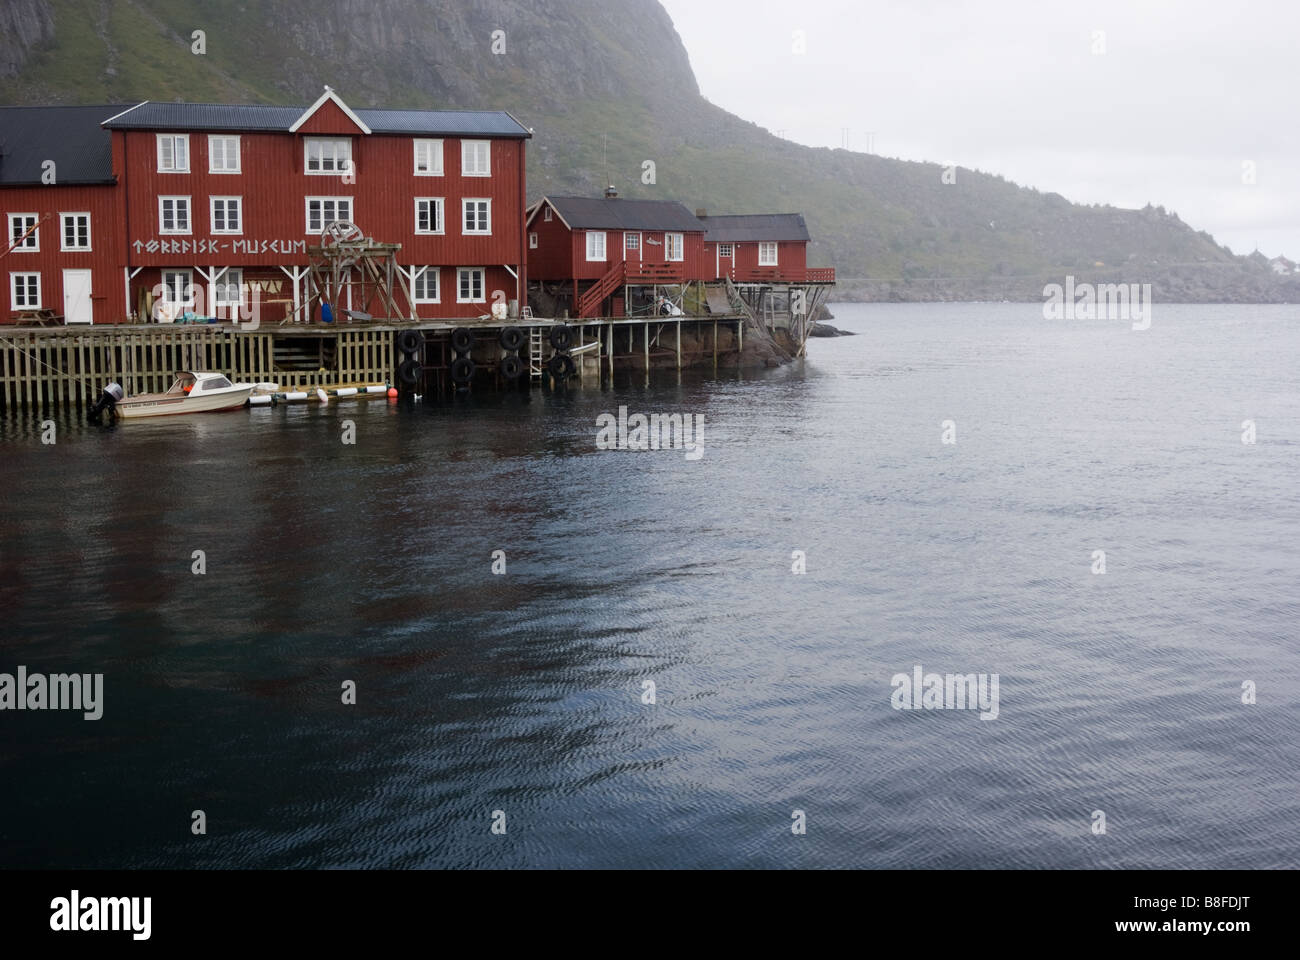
607,86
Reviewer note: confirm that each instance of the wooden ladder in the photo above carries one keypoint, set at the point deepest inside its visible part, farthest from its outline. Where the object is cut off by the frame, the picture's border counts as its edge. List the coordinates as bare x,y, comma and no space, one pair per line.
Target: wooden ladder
535,369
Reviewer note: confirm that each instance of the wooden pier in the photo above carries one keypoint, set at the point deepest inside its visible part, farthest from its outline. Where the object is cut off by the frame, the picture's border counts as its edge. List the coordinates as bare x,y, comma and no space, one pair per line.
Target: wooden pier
47,368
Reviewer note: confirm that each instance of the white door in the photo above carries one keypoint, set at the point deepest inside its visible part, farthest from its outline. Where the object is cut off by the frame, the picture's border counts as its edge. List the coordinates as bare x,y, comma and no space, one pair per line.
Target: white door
76,296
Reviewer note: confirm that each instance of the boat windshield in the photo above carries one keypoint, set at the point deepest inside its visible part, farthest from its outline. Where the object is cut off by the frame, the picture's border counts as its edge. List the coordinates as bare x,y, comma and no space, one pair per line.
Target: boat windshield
214,383
184,383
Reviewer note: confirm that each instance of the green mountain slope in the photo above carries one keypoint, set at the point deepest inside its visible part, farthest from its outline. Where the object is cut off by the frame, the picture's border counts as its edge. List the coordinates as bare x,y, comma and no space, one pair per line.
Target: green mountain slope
607,86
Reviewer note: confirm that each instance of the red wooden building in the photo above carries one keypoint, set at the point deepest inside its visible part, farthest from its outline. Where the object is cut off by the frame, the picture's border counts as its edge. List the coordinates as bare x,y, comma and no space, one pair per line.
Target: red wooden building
64,251
595,247
215,204
762,248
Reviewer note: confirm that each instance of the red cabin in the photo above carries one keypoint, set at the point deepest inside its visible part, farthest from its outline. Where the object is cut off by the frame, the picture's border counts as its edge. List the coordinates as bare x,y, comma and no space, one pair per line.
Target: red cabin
761,248
591,248
216,204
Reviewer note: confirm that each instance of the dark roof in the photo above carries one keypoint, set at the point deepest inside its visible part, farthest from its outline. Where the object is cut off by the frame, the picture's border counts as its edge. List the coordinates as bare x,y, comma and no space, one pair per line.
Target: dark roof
598,213
70,136
259,117
758,228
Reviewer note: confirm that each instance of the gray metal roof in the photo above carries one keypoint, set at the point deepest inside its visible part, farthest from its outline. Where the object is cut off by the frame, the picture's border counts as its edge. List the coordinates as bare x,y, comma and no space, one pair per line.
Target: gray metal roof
598,213
260,117
757,228
70,136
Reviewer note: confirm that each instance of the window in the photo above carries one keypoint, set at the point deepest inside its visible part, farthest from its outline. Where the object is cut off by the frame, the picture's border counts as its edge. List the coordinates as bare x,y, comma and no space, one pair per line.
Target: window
228,288
547,215
177,289
673,246
724,250
25,291
532,241
428,215
76,231
227,214
632,242
478,216
322,211
595,245
425,287
173,153
428,158
223,154
19,236
767,254
476,158
328,156
173,214
469,285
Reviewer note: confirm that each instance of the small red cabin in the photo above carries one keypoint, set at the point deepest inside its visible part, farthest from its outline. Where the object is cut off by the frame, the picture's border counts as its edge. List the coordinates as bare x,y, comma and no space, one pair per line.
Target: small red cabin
759,248
594,247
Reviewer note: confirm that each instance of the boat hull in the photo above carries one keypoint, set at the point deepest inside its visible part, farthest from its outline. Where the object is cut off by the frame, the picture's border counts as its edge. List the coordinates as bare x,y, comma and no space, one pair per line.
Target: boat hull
169,405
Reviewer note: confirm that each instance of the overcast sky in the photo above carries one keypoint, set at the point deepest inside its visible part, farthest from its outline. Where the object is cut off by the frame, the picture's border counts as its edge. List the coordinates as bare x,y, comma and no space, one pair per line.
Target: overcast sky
1188,99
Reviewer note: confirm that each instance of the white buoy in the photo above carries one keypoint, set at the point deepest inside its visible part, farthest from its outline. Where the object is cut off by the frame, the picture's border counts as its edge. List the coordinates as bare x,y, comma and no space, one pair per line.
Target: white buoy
295,397
260,400
378,389
346,392
322,396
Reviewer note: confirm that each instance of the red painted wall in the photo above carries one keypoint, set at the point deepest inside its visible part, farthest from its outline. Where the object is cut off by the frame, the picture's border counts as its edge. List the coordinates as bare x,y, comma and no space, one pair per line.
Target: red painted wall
274,186
105,259
791,259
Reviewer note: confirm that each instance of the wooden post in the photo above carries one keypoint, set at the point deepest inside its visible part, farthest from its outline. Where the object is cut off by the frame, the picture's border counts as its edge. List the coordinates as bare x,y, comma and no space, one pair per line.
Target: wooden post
715,345
647,346
679,345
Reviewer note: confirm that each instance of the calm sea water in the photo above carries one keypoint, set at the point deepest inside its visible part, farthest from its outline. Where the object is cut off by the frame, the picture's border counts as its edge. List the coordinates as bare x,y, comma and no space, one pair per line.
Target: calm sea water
522,692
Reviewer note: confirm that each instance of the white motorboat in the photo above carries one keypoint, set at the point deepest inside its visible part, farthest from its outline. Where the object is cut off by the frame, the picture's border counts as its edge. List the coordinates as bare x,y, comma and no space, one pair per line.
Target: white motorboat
193,392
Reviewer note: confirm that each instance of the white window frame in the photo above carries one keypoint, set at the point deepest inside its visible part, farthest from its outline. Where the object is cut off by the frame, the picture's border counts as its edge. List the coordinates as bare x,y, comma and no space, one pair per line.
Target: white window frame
592,235
482,272
189,216
680,240
33,242
626,249
419,273
436,148
307,202
440,203
473,169
221,285
464,210
13,290
214,138
342,160
63,232
727,250
173,138
532,240
762,261
547,214
212,215
186,303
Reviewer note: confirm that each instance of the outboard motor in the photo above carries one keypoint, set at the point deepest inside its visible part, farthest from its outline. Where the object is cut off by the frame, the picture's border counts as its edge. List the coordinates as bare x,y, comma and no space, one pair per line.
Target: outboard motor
108,400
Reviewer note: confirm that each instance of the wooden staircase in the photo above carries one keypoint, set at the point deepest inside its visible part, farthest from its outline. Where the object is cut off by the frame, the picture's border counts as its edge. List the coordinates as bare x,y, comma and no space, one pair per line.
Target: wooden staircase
589,303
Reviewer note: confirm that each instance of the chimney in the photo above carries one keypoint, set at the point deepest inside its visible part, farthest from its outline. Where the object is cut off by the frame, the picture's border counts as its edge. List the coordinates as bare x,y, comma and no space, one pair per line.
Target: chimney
701,212
611,192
